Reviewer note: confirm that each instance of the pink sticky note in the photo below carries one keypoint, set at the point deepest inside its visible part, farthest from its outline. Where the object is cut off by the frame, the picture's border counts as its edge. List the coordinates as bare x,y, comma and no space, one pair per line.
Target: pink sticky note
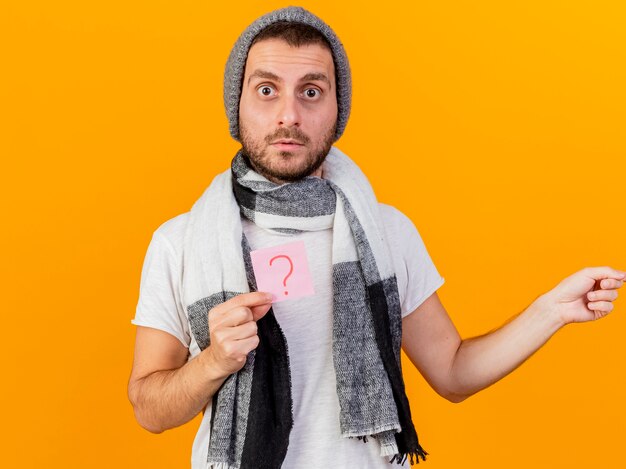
283,271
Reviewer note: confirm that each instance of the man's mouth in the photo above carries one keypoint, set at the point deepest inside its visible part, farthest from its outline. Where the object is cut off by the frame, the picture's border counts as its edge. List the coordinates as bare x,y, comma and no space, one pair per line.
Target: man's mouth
286,141
286,144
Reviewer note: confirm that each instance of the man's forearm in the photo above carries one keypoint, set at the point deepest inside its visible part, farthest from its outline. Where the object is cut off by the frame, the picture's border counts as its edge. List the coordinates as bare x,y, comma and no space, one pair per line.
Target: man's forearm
169,398
481,361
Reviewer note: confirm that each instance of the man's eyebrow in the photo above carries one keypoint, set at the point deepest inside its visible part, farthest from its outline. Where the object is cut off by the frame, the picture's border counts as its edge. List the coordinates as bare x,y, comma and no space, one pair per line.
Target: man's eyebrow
315,77
272,76
263,74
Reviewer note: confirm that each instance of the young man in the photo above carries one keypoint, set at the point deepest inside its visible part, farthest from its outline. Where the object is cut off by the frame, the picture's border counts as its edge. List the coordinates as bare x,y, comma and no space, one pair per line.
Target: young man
314,381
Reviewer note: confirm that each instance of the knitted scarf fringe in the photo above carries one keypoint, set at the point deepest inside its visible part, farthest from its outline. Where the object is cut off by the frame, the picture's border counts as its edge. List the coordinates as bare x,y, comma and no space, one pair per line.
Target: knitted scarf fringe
414,456
400,458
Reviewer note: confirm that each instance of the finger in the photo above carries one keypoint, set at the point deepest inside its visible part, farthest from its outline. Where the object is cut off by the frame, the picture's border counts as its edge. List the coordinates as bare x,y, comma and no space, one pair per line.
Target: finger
244,299
609,283
242,331
236,316
602,306
598,273
245,314
243,347
602,295
259,311
239,349
230,317
247,345
599,314
226,336
247,330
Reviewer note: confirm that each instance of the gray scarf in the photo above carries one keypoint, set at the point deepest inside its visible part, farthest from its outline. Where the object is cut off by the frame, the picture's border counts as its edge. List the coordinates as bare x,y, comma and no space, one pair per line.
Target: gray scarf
251,414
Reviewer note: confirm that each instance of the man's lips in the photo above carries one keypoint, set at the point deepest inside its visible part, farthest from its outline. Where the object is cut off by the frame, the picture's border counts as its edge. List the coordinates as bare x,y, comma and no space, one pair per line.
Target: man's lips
286,144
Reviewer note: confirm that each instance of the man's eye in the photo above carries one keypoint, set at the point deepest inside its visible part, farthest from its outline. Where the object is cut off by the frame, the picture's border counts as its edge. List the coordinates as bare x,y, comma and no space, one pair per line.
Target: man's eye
312,93
266,90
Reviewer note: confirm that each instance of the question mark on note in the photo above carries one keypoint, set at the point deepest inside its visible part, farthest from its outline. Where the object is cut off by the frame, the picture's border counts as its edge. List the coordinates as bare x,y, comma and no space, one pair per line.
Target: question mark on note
290,268
274,268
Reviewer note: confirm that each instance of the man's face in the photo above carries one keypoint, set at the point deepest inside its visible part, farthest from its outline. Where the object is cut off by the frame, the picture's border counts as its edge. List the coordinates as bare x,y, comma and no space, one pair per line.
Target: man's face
288,95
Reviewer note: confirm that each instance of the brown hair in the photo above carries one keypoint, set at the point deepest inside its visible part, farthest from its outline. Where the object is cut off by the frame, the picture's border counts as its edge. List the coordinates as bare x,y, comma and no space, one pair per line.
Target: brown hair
294,34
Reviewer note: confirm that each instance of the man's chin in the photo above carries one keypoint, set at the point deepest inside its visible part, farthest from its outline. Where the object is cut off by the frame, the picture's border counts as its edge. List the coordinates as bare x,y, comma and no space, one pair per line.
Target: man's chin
284,166
284,177
291,175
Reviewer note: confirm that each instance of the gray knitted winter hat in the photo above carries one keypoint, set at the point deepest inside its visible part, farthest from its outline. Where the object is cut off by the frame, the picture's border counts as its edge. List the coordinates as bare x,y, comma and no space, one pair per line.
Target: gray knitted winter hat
233,76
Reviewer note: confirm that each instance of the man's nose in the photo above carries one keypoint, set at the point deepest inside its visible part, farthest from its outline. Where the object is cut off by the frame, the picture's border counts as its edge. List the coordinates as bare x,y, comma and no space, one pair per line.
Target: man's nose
289,114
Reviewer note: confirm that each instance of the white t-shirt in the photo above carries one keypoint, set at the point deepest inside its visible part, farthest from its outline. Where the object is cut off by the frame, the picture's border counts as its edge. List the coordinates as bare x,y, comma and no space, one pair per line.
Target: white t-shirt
315,439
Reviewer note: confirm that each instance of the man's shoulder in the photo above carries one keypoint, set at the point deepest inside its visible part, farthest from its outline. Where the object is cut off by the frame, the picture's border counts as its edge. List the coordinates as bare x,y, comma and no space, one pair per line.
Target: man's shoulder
173,230
398,226
392,215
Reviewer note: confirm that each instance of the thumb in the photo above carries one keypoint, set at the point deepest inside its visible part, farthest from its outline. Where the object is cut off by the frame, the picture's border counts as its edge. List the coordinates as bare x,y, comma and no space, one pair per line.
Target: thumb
599,273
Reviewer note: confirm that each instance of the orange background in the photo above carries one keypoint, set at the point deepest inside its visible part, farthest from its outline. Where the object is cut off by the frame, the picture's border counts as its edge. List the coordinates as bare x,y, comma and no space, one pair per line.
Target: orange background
497,127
